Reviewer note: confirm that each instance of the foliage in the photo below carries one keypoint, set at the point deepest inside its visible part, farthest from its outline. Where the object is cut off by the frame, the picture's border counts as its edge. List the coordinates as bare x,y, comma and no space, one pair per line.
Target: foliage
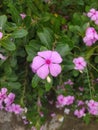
49,25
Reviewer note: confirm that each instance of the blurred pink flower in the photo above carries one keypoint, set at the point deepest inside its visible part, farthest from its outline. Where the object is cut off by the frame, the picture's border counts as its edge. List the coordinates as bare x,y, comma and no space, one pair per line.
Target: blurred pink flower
53,114
47,62
9,99
79,113
16,109
2,57
69,82
3,94
93,15
1,35
91,36
92,107
80,63
64,100
80,102
81,89
23,15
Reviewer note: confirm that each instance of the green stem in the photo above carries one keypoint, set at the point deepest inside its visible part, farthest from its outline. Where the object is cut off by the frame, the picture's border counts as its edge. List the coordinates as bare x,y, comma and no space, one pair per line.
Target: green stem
93,67
89,84
24,87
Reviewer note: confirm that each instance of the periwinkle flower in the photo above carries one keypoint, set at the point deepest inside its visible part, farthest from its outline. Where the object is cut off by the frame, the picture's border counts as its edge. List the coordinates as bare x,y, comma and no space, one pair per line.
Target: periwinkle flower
47,62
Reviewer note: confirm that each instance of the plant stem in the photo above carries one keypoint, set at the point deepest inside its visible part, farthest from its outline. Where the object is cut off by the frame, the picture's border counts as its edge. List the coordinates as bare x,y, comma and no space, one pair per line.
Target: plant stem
89,84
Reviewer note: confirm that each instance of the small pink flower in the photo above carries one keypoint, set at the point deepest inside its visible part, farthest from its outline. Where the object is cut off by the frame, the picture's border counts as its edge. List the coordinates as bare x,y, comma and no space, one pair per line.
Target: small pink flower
41,114
23,15
9,108
61,100
1,35
91,36
79,113
93,15
80,102
81,89
69,100
93,107
52,114
47,62
2,57
10,99
16,109
33,128
80,63
3,94
69,82
64,100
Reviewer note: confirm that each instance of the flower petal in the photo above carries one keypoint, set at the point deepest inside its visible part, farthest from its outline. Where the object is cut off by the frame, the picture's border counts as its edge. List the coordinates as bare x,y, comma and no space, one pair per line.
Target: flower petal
45,54
43,71
55,69
56,58
37,62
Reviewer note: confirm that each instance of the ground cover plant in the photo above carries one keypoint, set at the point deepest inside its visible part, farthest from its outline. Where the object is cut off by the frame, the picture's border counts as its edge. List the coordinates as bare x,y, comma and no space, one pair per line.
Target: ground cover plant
49,54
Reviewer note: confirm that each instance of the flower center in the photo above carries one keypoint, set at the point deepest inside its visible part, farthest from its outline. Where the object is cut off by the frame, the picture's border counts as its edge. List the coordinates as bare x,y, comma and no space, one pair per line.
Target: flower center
48,61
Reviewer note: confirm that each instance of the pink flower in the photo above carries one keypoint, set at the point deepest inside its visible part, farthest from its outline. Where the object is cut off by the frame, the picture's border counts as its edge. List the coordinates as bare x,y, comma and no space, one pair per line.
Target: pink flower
91,36
9,108
52,114
80,102
47,62
3,94
33,128
80,63
81,89
1,35
64,100
69,100
93,107
2,57
93,15
9,100
16,109
79,113
23,15
69,82
60,101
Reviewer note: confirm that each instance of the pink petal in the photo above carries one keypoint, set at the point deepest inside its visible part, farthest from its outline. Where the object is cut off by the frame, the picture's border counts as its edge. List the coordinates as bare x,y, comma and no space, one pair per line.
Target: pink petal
55,69
37,62
43,71
45,54
56,58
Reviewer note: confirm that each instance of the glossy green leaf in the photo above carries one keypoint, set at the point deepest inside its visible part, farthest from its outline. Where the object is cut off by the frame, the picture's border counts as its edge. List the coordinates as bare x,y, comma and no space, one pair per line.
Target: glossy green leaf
8,45
3,20
35,81
19,33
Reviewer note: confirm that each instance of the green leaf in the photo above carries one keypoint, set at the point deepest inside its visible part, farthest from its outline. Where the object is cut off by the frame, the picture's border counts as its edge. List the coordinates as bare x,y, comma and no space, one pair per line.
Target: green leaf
48,86
46,37
3,20
14,85
19,33
35,81
96,59
8,45
75,73
63,49
32,49
15,13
